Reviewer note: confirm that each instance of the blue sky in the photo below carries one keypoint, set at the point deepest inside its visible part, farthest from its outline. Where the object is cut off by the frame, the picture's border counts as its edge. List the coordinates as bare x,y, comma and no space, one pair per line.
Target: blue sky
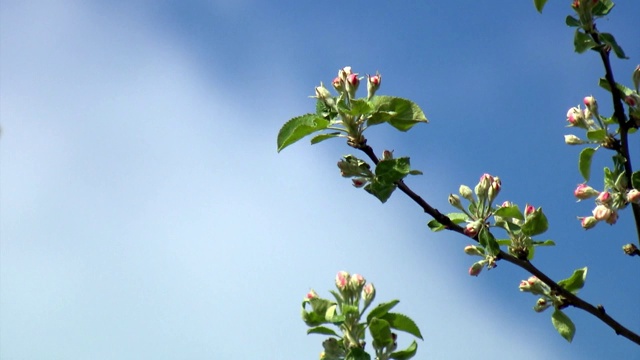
146,213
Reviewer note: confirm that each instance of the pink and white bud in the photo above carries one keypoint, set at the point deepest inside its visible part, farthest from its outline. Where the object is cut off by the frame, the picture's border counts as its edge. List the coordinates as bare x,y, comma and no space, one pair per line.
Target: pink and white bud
632,100
312,294
584,191
588,222
322,93
472,228
576,118
541,305
494,190
338,84
473,250
602,212
604,198
466,192
352,84
454,200
534,286
356,282
373,84
633,196
482,189
476,268
387,155
344,72
591,104
613,218
573,140
368,293
342,280
359,182
506,204
529,210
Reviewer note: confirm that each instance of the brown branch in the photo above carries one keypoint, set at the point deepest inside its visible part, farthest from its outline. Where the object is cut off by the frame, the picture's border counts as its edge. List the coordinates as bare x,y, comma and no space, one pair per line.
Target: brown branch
571,299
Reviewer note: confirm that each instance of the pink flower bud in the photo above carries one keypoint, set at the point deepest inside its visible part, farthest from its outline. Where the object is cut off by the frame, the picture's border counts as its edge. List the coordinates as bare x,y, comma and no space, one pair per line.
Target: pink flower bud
352,84
573,140
541,305
368,293
613,218
312,294
576,118
632,100
476,268
633,196
472,229
454,200
356,282
591,104
359,182
602,212
373,84
338,84
344,72
342,280
323,94
604,198
387,155
534,286
588,222
482,189
494,190
473,250
466,192
584,191
529,209
506,204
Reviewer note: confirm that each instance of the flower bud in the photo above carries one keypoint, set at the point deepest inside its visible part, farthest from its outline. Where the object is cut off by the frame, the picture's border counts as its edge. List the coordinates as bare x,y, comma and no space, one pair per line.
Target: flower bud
602,212
604,198
338,84
506,204
528,210
454,200
541,305
633,196
466,192
322,93
584,191
387,155
635,77
588,222
359,182
368,294
373,84
573,140
613,218
591,104
631,250
311,294
476,268
352,84
472,228
483,186
632,100
534,286
576,118
473,250
342,280
356,282
494,190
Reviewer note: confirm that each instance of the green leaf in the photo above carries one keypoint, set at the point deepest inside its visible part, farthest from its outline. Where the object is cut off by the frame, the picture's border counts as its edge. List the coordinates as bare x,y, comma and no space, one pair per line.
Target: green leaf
393,170
400,113
382,309
572,22
380,332
360,107
584,162
575,282
403,323
357,354
635,179
489,242
603,7
381,190
539,4
407,353
583,42
322,330
563,325
611,41
299,127
625,91
544,243
322,137
596,135
456,218
512,212
535,224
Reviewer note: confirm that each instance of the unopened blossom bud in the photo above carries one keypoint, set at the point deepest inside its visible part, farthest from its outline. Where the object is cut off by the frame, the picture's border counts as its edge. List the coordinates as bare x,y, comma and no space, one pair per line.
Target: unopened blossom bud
387,155
472,228
483,185
631,250
368,293
323,94
602,212
576,118
359,182
352,85
632,100
604,198
311,294
635,77
613,218
338,84
373,84
591,104
573,140
454,200
529,209
466,192
633,196
342,280
506,204
473,250
541,305
356,282
476,268
344,72
494,190
534,286
588,222
584,191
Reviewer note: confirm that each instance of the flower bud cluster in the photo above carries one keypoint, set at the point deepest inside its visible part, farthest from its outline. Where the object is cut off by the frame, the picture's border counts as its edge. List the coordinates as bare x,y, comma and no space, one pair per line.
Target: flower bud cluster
359,170
535,286
347,83
586,119
487,260
607,203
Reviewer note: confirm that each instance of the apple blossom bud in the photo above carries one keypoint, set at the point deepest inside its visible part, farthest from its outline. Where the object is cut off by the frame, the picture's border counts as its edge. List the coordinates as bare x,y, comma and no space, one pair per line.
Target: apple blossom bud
632,100
344,72
476,268
541,305
576,118
573,140
312,294
633,196
534,286
472,228
494,190
373,84
322,93
473,250
529,209
466,192
483,186
591,104
454,200
342,280
588,222
352,85
584,191
368,293
359,182
506,204
604,198
602,212
387,155
631,250
613,218
338,84
356,282
635,77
